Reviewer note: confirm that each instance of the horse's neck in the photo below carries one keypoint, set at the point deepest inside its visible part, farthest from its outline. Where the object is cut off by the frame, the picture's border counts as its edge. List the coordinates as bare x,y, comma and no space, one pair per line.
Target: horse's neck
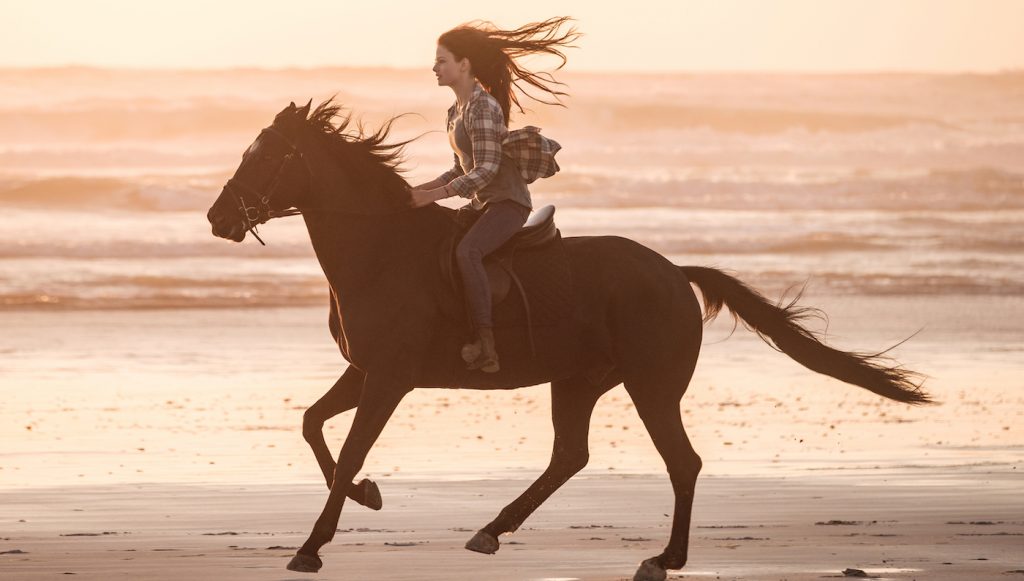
355,250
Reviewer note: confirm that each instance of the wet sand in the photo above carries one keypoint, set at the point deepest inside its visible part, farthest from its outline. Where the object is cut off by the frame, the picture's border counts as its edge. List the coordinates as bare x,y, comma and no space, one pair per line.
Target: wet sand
963,523
207,395
167,444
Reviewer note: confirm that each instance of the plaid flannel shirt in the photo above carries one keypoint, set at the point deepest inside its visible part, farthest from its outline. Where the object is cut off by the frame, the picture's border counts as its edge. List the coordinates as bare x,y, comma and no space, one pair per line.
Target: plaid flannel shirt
532,152
484,120
485,123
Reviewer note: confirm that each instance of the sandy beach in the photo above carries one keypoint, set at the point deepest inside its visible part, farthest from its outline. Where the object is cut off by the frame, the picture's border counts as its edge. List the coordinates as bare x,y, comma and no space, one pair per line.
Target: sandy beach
147,454
900,524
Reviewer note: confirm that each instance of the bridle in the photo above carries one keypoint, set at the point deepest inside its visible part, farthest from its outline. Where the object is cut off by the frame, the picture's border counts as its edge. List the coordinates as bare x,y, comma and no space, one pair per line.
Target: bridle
260,212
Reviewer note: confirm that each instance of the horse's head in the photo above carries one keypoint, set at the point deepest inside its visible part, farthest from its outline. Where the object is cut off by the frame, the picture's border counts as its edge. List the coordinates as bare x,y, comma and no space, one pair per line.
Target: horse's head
272,179
307,161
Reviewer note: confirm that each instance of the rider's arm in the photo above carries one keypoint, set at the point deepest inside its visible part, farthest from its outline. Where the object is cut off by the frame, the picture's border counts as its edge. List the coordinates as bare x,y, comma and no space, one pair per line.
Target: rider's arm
451,174
487,130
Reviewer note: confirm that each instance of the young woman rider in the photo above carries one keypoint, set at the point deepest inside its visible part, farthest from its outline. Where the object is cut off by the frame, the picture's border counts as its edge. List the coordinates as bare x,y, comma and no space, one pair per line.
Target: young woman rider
479,63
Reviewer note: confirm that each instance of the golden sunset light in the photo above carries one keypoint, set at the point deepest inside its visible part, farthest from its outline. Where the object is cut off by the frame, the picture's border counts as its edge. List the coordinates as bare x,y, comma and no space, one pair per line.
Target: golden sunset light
704,35
367,289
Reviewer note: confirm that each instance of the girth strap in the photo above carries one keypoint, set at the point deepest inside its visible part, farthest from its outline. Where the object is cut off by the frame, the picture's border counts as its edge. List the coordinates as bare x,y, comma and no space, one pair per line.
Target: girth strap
526,304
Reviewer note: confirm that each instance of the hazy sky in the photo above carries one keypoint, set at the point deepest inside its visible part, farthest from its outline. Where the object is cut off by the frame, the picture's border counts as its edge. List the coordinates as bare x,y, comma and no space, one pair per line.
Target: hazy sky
674,35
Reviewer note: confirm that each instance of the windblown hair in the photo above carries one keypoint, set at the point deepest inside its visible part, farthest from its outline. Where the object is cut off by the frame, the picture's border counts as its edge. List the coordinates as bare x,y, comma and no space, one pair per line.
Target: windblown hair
372,144
331,120
492,54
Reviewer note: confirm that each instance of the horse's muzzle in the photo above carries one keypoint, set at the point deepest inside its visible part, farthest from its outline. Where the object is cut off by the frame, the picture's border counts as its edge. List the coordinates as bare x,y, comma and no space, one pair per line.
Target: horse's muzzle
230,229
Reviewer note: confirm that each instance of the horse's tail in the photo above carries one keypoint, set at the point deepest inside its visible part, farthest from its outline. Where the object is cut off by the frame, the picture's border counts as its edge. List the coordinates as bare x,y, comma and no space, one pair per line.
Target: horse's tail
779,326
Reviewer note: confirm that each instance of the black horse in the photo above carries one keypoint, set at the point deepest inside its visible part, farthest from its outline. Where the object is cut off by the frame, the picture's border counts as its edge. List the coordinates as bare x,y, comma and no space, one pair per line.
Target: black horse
634,320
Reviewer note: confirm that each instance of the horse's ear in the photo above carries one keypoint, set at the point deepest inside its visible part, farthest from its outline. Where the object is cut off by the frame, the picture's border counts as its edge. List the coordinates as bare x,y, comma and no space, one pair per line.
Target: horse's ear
285,113
304,110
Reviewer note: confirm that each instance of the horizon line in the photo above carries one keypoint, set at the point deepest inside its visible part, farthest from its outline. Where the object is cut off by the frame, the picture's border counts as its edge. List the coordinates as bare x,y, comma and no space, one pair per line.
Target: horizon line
645,72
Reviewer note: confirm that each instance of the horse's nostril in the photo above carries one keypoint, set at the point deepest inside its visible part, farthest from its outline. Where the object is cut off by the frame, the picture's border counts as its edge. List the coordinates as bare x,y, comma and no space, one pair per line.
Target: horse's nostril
217,220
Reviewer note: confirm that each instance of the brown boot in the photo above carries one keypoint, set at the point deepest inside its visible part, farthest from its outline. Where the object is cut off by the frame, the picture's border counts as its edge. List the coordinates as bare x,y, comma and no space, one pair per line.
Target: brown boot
486,359
471,351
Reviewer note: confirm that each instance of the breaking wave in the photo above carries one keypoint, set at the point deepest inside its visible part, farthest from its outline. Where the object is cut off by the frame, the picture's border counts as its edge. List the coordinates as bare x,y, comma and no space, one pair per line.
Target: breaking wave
977,189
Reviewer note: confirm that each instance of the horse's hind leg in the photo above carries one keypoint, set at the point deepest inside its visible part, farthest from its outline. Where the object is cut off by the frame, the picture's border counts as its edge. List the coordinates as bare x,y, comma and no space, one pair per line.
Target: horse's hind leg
572,402
660,414
339,399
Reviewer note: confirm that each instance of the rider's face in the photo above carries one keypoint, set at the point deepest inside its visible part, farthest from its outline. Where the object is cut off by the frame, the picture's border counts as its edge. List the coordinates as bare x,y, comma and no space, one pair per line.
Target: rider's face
447,68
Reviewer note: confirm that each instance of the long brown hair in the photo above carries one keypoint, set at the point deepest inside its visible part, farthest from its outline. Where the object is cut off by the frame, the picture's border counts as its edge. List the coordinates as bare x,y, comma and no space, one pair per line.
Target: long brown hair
492,54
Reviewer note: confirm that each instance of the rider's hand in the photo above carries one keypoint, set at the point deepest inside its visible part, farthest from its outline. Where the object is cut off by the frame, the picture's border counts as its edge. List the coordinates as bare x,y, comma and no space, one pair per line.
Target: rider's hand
419,198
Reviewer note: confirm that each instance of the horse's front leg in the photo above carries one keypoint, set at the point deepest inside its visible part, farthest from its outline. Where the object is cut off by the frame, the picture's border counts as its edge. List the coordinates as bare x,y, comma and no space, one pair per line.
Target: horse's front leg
379,399
339,399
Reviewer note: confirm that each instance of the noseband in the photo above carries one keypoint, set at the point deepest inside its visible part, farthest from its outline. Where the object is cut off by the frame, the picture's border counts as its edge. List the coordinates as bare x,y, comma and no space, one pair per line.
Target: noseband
258,212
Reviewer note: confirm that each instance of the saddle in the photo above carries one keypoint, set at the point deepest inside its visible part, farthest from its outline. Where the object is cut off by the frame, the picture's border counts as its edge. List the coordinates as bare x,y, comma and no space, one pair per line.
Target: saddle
540,261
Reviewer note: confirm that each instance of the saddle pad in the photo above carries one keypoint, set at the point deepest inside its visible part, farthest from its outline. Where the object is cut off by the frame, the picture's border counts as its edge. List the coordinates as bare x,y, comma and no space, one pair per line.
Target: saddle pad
546,278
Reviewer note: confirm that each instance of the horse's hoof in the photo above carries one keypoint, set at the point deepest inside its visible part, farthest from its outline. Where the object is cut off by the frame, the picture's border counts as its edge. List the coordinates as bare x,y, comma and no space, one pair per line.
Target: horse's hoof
650,570
371,494
305,563
483,542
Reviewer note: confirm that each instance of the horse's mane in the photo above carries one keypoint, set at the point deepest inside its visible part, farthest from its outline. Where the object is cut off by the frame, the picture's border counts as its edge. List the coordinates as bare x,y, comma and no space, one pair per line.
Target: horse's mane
384,159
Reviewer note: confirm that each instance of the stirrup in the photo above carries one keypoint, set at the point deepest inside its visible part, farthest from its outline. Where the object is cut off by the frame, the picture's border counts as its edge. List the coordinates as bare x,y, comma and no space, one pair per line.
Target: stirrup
482,354
485,364
473,355
471,352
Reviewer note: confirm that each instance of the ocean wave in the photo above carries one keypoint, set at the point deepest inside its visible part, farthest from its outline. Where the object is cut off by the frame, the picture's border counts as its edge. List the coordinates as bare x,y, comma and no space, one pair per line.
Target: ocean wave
817,244
927,114
975,189
188,237
104,193
118,120
909,284
52,301
125,161
124,249
660,116
183,292
893,283
106,122
170,291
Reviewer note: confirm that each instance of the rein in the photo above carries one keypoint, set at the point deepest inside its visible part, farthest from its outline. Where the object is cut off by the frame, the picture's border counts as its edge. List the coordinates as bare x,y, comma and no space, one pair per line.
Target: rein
260,212
254,204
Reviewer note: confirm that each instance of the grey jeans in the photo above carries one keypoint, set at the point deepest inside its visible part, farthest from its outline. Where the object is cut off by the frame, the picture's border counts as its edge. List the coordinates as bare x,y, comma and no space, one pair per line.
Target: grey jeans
497,222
